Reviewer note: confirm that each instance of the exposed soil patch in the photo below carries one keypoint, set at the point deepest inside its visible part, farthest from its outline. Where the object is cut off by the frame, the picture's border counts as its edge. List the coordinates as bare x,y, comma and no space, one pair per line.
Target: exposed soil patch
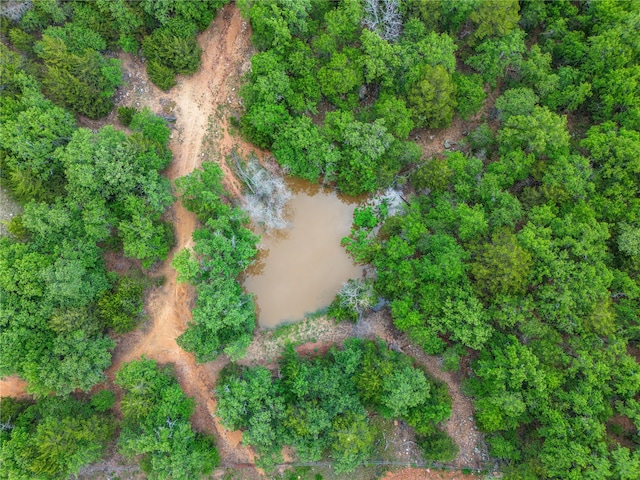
200,133
13,387
8,209
427,474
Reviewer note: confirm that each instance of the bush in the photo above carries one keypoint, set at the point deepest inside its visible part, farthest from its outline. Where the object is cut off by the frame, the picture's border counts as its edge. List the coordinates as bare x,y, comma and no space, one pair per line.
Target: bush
125,115
451,359
438,446
121,307
433,174
103,400
162,76
21,40
469,94
151,126
482,138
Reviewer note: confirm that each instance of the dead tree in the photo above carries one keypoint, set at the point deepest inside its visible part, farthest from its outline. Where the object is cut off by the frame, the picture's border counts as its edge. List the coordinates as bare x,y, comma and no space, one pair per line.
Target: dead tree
268,194
384,18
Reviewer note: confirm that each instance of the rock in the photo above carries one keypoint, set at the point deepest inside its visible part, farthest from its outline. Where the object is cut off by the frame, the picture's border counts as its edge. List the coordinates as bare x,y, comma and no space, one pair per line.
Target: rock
380,305
447,143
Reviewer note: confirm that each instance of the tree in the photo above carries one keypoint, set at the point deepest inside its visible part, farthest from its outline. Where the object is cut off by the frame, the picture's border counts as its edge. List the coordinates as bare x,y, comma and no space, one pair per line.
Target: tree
84,82
494,18
121,307
502,266
352,442
151,126
340,76
469,94
379,59
353,299
30,138
542,133
269,22
396,115
77,37
615,169
431,97
495,57
302,150
168,52
516,101
403,390
156,424
224,316
364,155
53,438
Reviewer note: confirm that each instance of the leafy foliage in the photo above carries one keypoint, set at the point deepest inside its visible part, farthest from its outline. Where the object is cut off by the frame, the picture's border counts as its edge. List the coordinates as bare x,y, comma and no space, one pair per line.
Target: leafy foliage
121,307
224,316
80,188
51,439
83,81
156,424
318,404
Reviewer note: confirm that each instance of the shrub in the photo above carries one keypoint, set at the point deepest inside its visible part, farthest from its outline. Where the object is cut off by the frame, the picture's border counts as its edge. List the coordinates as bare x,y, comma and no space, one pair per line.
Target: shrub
162,76
121,307
438,446
125,115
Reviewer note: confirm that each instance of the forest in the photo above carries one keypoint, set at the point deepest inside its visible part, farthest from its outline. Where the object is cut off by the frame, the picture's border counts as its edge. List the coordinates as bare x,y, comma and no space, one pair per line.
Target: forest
514,257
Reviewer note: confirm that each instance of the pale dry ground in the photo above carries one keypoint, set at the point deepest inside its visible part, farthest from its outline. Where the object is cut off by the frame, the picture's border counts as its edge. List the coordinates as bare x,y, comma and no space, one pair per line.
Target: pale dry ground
202,105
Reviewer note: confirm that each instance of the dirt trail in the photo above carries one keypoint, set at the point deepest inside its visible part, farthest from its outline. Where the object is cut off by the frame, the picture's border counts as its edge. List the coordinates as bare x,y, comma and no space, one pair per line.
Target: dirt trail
200,133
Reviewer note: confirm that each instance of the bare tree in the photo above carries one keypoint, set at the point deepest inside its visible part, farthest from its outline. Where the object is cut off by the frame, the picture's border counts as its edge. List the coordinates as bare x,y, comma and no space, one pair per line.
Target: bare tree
268,194
358,295
384,18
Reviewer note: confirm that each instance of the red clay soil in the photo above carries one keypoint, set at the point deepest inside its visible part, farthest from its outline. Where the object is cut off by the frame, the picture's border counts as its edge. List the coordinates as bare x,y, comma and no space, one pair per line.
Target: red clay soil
427,474
13,387
195,102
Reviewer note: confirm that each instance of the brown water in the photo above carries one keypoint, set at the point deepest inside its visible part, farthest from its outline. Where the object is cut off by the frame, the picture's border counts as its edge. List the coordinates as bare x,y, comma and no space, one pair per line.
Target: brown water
300,269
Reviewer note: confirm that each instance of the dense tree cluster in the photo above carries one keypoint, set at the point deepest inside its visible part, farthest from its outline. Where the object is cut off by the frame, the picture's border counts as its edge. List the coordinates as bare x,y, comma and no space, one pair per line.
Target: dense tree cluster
224,315
371,80
156,424
85,192
518,248
320,404
75,42
80,190
53,438
522,248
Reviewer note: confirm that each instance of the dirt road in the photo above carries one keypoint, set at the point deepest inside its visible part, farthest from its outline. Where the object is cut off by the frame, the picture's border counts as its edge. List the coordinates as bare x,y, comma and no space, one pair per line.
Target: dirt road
200,133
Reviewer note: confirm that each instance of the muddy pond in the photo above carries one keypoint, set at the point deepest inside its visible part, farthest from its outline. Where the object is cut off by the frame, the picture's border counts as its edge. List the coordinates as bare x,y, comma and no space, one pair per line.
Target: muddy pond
300,269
